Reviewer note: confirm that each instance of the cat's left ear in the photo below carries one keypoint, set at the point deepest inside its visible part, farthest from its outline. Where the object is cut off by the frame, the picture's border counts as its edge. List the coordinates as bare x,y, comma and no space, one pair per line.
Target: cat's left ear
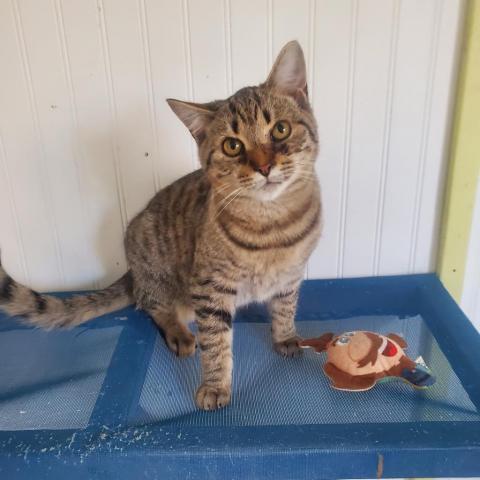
289,73
195,116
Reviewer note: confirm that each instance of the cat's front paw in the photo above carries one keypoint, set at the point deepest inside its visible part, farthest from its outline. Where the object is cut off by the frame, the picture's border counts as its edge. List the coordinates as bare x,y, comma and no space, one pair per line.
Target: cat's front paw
289,348
210,398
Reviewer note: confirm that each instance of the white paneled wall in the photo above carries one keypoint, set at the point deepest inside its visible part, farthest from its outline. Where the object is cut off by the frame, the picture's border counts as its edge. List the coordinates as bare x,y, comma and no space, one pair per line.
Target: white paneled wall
86,137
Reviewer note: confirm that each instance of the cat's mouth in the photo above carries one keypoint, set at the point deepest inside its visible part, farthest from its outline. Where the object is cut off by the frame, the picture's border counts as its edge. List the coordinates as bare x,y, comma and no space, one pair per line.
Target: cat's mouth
273,180
270,188
271,184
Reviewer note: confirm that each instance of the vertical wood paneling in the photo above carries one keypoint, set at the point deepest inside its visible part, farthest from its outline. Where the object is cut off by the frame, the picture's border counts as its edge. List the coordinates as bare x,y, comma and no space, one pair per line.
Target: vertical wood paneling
51,104
437,141
93,133
426,125
290,24
311,49
269,20
227,22
387,124
134,139
147,60
331,98
207,43
11,238
24,160
88,137
169,80
366,138
248,69
404,149
75,148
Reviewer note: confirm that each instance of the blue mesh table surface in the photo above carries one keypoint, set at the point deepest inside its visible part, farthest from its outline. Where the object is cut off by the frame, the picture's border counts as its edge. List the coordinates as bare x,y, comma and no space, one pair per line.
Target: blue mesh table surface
271,390
109,400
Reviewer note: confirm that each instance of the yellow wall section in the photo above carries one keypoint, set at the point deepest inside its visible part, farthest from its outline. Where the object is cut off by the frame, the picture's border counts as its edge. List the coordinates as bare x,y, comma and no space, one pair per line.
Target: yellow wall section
464,162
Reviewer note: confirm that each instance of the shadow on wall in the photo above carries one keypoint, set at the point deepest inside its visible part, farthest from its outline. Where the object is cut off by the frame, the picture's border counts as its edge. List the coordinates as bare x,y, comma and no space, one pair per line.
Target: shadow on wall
104,189
125,169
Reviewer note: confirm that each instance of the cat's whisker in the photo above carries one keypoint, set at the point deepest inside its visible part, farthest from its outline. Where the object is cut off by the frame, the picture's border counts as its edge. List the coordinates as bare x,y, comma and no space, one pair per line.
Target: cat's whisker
225,206
306,172
302,170
224,199
306,177
222,188
220,191
306,168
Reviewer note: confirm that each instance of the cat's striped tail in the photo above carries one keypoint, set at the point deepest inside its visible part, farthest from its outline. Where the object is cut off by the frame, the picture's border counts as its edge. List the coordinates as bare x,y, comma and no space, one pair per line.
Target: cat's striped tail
47,311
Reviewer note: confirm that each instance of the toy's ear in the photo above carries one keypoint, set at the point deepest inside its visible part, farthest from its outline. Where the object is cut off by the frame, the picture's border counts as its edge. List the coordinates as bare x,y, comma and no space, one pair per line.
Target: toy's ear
318,344
398,339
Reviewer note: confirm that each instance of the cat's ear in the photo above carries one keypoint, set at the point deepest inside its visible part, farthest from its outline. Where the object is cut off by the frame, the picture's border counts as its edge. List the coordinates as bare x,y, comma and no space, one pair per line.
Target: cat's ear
195,116
289,73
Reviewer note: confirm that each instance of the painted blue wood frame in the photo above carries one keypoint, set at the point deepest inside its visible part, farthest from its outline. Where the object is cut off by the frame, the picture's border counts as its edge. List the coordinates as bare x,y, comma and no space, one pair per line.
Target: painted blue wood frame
421,449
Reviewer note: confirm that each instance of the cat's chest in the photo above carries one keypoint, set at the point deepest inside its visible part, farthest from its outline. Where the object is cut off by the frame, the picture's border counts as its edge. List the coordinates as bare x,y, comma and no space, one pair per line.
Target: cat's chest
262,282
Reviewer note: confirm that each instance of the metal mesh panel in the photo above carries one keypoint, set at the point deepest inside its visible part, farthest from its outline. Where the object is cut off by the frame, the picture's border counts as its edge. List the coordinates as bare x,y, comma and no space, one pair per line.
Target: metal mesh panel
270,390
52,380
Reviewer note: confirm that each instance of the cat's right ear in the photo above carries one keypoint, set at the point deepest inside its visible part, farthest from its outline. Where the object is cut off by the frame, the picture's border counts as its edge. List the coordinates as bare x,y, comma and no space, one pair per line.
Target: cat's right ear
195,116
289,73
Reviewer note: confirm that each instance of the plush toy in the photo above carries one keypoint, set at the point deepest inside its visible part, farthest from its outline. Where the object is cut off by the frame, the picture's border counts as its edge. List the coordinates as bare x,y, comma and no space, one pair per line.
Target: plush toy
357,360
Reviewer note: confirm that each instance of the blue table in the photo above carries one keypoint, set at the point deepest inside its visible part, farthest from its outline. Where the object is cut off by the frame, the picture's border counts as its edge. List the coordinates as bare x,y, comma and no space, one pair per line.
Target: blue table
108,400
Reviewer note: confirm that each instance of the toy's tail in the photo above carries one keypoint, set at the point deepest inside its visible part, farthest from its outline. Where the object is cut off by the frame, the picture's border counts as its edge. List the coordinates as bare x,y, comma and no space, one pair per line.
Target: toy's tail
50,312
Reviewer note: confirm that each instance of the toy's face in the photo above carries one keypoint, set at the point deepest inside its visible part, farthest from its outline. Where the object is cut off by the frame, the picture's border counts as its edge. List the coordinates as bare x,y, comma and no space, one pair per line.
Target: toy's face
352,351
355,345
356,360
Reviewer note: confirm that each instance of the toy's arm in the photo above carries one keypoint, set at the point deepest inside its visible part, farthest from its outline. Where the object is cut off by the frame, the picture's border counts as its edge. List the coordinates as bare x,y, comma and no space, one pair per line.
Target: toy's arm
371,356
318,344
399,340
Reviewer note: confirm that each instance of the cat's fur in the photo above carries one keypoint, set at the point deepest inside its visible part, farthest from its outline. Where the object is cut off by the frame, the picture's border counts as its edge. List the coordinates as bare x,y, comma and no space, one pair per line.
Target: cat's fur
219,237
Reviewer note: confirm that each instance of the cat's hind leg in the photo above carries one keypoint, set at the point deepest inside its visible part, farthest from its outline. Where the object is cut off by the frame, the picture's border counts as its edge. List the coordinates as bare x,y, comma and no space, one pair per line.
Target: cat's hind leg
179,339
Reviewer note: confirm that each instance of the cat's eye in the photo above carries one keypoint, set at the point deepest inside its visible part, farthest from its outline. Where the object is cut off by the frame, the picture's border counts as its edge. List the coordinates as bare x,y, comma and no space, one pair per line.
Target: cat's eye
232,147
281,130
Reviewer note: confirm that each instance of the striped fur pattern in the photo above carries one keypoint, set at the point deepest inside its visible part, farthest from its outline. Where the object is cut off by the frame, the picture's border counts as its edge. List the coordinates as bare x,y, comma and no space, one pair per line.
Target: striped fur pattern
50,312
238,230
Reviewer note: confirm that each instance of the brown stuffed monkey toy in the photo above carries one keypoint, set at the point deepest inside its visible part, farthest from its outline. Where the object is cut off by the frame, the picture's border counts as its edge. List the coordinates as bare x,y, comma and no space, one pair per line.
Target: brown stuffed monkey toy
357,360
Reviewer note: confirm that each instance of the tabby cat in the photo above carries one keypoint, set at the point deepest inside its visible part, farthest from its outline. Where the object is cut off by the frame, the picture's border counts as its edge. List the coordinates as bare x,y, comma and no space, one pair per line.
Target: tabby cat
238,230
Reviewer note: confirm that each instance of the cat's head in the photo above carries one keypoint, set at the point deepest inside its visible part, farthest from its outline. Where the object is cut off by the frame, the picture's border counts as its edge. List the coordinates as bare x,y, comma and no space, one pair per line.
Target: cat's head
260,140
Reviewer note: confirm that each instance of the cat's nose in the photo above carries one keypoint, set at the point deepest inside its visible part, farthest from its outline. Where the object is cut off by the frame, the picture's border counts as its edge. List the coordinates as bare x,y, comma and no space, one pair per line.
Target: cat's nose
265,169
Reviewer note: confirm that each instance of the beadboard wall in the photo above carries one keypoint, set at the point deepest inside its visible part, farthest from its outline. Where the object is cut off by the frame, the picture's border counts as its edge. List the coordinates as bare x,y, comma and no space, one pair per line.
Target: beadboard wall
86,137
